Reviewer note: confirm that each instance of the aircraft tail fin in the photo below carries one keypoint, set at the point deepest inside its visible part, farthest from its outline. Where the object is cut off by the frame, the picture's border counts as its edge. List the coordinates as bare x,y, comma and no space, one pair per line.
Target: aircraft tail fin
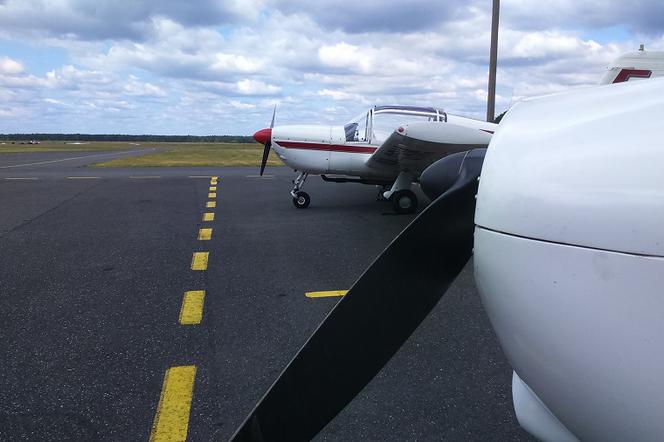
636,65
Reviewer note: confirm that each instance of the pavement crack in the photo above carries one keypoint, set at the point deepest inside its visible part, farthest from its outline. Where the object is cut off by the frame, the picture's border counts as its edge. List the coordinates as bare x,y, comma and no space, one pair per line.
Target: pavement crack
46,212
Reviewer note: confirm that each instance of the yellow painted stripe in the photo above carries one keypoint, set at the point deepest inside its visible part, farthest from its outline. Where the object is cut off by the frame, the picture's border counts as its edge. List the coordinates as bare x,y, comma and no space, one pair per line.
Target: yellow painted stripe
211,204
199,261
171,421
212,195
204,234
22,178
192,307
208,216
327,294
213,188
83,177
214,177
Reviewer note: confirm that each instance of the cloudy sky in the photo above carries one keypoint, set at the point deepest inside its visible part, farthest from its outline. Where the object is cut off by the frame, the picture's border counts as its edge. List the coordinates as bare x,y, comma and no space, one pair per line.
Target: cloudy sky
219,66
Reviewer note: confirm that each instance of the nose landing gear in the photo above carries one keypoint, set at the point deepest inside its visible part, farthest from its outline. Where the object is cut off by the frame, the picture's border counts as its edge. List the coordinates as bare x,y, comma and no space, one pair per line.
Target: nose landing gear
402,198
301,199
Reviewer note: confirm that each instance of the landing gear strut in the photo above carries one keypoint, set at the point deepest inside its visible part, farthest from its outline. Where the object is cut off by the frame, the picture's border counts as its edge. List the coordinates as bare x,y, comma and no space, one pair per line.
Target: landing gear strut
301,199
402,198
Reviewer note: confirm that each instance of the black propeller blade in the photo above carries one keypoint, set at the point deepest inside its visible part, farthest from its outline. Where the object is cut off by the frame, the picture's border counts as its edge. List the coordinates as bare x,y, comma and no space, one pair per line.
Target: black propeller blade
381,310
268,143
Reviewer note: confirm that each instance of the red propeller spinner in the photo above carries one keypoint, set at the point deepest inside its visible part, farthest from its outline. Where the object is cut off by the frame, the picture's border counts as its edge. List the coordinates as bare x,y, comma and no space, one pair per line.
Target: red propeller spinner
263,136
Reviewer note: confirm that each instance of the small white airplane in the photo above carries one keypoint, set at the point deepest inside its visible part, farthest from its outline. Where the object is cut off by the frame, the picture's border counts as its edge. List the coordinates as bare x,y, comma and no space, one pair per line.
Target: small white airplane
388,146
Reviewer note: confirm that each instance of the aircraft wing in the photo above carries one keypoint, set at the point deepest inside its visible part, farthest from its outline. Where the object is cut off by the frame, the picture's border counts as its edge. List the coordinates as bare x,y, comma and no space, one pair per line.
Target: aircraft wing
414,146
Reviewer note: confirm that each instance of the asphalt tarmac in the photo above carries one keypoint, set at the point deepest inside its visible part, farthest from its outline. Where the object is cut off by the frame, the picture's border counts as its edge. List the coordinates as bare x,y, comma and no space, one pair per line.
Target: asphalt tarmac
93,267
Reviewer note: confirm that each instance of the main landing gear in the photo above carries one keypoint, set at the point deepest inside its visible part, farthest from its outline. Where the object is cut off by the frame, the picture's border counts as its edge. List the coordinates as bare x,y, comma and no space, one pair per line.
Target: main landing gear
403,199
301,199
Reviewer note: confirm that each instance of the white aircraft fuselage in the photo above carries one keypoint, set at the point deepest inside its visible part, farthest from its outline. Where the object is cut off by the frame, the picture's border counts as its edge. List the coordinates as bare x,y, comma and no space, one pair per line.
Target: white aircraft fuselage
388,146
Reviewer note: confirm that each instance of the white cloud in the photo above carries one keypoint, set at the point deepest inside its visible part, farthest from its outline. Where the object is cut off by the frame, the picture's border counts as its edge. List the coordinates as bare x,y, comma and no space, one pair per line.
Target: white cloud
195,64
10,67
256,87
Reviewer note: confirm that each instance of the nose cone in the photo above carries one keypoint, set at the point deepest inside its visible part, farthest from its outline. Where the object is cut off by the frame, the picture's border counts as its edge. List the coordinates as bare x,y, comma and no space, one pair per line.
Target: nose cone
263,136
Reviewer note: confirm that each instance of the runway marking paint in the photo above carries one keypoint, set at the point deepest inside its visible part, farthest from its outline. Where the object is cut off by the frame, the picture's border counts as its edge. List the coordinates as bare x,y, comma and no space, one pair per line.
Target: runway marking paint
171,421
191,312
327,294
208,216
211,204
199,261
205,234
212,195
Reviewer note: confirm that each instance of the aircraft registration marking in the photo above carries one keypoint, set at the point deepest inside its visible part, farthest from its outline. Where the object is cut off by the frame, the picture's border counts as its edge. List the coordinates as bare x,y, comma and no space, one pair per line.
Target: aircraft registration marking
204,234
199,261
211,204
208,216
326,294
171,422
191,312
212,195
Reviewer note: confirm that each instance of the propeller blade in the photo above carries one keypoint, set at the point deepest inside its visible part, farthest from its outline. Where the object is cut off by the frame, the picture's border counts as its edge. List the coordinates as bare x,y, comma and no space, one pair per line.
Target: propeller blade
274,112
382,309
266,153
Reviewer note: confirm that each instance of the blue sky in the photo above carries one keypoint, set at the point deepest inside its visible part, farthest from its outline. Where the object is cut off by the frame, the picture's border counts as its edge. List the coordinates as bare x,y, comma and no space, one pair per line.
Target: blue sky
219,67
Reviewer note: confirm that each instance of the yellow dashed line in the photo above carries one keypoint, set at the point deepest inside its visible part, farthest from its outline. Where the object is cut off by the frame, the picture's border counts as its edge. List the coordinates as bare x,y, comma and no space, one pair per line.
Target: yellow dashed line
83,177
204,234
22,178
208,216
212,195
192,307
199,261
171,421
213,188
327,294
211,204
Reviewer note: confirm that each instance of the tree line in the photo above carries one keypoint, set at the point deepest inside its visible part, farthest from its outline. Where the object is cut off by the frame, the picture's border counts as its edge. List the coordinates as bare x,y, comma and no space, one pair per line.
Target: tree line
120,137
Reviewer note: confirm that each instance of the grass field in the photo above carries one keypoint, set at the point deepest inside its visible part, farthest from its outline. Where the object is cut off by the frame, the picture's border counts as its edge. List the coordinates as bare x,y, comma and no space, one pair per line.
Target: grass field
196,154
166,155
67,146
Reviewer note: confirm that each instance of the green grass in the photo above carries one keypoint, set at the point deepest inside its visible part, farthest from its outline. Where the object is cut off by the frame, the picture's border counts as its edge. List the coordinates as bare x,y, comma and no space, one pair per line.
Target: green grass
66,146
166,155
196,154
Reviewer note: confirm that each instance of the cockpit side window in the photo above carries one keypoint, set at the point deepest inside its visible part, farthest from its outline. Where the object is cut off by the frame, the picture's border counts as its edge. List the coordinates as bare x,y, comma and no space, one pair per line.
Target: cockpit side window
351,131
356,129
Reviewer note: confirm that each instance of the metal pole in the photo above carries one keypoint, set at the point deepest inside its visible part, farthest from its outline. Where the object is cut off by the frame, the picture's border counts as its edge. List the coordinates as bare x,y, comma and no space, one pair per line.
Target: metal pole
493,57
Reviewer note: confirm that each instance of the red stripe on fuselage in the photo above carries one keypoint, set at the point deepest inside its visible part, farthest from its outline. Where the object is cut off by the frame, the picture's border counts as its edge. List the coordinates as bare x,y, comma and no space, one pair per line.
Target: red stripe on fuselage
626,74
326,147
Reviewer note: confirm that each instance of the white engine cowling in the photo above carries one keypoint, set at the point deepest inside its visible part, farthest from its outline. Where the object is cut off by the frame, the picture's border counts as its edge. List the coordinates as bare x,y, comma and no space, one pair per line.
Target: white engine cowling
569,259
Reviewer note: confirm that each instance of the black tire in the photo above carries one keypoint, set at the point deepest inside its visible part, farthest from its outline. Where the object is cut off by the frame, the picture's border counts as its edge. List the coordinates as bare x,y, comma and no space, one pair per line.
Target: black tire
404,201
301,200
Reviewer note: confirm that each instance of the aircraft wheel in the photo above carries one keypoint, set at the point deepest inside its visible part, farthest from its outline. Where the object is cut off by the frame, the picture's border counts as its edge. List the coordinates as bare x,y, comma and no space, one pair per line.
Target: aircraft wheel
302,200
404,201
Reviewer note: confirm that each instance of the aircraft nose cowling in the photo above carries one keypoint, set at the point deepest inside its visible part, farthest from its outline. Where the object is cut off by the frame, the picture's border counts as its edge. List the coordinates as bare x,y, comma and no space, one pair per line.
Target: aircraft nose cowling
263,136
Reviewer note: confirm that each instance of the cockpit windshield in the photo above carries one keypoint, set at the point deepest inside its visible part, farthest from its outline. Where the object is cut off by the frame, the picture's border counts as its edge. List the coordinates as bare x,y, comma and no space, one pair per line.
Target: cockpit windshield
356,129
375,125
